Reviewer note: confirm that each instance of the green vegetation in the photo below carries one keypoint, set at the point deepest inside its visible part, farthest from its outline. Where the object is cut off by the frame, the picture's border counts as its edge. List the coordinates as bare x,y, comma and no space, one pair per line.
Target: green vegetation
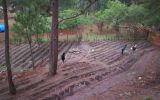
71,23
28,23
113,13
96,37
148,98
40,40
2,68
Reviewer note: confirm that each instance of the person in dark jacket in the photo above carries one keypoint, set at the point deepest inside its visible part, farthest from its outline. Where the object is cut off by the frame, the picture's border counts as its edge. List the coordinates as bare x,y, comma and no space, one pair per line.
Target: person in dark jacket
123,49
63,57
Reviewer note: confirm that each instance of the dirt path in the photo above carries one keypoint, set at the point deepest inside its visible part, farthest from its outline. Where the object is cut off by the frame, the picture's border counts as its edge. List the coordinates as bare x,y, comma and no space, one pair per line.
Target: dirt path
102,90
92,71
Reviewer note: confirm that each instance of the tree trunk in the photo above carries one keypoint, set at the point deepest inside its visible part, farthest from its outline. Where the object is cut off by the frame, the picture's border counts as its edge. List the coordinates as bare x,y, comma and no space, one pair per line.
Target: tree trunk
54,39
32,57
29,39
12,88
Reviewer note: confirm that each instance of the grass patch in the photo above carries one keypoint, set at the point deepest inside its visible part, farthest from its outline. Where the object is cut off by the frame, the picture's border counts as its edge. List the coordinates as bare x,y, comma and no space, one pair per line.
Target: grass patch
87,37
98,37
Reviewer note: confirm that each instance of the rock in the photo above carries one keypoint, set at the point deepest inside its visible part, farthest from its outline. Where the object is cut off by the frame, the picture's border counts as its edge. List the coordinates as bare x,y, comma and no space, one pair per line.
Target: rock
92,50
139,78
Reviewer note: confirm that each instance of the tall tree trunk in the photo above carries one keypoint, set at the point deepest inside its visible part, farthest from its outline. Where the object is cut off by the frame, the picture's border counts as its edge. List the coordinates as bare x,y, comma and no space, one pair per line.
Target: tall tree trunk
54,39
12,88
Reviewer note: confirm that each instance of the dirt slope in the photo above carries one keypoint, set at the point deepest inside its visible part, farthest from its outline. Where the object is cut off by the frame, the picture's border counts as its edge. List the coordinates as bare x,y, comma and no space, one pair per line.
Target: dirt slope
109,89
92,71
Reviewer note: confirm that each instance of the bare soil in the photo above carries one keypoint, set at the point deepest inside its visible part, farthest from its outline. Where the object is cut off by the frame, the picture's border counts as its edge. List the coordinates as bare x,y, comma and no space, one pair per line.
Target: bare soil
93,71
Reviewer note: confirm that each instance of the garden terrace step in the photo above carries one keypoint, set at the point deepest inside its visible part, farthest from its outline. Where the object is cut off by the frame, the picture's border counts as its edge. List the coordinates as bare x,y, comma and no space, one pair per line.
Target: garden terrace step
2,51
2,54
105,73
101,57
102,53
111,45
53,87
107,57
103,46
93,44
37,61
25,51
18,48
45,49
115,58
22,58
38,53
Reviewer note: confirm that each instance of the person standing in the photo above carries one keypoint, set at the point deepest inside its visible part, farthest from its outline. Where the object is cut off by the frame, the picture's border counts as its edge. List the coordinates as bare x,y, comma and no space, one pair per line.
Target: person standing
63,57
134,48
123,49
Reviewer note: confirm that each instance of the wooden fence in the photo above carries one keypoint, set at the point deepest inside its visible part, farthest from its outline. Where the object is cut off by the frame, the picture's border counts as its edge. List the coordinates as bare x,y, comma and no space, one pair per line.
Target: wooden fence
154,38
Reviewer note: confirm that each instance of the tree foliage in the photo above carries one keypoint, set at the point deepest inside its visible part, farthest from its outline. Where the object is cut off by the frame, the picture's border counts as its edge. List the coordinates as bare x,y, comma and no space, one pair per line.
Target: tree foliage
80,20
136,14
28,23
153,12
116,12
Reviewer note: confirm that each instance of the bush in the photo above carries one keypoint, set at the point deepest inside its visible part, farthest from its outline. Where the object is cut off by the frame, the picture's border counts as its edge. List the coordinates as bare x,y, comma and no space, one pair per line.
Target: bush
16,39
28,23
135,14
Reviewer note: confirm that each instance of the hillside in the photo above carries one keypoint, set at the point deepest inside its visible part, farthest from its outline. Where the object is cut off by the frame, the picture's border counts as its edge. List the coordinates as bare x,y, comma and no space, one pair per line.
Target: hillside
92,71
